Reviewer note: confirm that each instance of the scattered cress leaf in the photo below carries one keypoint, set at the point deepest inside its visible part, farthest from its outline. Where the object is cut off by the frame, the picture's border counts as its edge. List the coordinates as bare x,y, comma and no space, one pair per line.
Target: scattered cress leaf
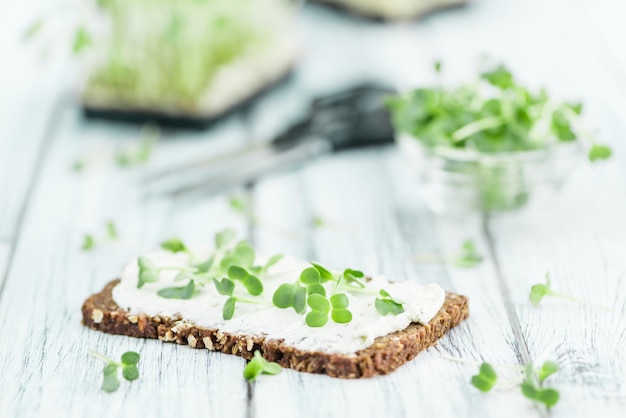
548,369
148,271
130,373
310,276
316,288
229,308
485,379
224,238
88,242
325,275
253,285
111,230
318,303
175,245
339,301
341,316
599,152
259,366
273,260
130,358
184,292
316,319
225,287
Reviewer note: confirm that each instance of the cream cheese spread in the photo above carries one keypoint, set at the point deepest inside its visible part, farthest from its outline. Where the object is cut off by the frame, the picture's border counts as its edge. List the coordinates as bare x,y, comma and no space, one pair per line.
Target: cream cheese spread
420,303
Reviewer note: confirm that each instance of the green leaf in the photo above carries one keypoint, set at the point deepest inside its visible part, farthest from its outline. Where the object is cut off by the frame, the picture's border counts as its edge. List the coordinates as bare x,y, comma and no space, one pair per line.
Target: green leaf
82,40
175,245
226,287
240,204
537,293
599,152
111,230
299,299
184,292
244,254
284,295
548,368
258,366
110,368
325,275
229,308
339,301
88,242
468,256
237,273
33,29
272,261
224,238
310,276
499,77
111,382
388,306
316,288
549,397
384,293
341,316
437,67
316,319
353,276
130,358
318,303
253,285
252,370
529,390
148,271
205,266
130,373
485,379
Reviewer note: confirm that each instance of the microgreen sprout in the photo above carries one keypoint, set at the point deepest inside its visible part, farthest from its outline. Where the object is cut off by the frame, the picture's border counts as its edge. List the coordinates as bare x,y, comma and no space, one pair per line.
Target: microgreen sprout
140,154
485,379
491,116
183,292
340,313
540,290
466,257
258,366
312,279
128,364
599,152
150,273
386,305
226,287
320,306
532,387
290,295
252,283
175,245
89,241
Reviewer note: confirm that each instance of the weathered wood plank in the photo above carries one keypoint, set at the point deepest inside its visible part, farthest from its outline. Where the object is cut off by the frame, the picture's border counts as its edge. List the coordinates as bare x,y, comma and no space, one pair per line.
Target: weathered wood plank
376,224
46,368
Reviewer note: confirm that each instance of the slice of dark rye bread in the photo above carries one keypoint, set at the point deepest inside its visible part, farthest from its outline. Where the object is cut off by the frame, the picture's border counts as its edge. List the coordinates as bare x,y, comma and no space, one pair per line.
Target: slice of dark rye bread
385,355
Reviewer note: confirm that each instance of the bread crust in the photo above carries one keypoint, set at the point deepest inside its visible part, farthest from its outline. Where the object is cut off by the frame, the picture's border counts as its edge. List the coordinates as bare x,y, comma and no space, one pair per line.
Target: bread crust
385,355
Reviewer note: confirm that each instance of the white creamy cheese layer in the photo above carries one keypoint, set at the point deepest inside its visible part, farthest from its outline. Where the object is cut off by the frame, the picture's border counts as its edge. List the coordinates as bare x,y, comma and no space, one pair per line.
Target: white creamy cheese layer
420,303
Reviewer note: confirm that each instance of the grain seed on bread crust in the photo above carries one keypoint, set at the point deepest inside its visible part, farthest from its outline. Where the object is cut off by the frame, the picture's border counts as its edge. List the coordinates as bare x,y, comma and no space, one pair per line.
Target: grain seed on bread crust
385,355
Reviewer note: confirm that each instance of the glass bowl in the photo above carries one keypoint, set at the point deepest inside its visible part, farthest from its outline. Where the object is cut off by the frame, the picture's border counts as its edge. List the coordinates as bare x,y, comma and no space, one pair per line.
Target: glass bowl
458,181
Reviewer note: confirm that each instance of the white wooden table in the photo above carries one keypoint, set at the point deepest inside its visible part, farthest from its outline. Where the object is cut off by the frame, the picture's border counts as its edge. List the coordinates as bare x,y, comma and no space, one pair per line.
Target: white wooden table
577,48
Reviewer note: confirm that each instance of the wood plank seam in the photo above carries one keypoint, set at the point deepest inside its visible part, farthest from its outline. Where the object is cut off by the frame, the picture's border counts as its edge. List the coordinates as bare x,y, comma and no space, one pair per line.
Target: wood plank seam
523,353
